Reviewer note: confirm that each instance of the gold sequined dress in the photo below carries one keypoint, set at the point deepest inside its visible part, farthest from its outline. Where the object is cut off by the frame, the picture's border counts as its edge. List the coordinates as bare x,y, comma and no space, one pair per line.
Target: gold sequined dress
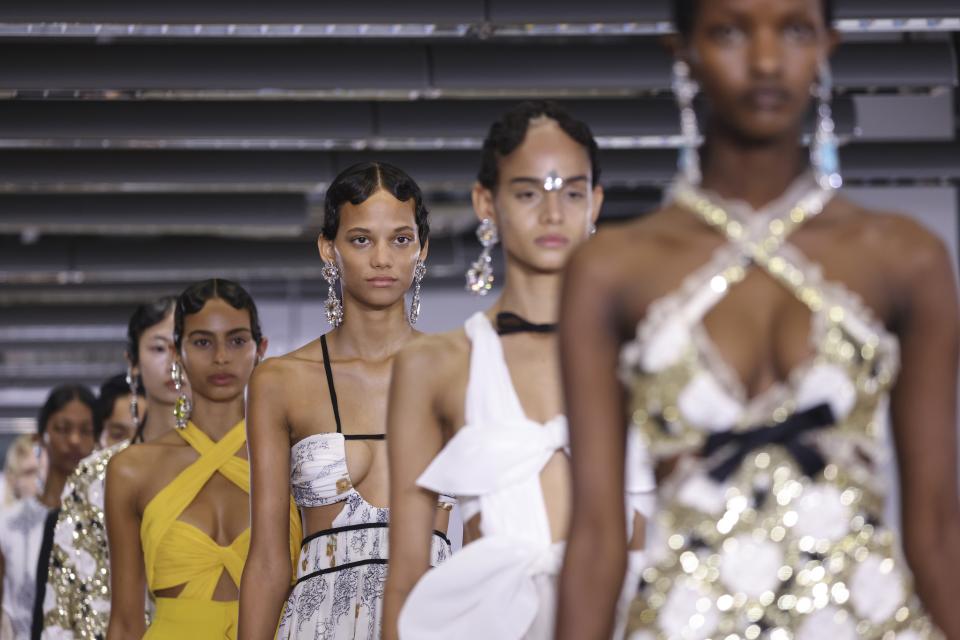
770,523
77,599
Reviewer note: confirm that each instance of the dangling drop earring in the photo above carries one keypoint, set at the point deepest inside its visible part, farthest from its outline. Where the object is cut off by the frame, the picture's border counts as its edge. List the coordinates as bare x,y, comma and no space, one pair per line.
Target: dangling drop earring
685,89
333,306
824,147
480,273
132,382
418,274
182,407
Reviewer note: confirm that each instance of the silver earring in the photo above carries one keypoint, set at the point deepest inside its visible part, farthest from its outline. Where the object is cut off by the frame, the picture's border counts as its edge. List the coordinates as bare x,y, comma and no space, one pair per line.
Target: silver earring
685,89
593,229
134,387
480,273
418,274
182,407
333,306
824,147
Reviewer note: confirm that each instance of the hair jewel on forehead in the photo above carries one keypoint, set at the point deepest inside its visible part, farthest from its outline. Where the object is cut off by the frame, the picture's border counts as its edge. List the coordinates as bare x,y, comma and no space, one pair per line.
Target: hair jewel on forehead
552,182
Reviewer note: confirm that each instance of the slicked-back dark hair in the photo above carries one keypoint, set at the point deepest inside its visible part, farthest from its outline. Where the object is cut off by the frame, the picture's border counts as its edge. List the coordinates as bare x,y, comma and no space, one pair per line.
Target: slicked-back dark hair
144,317
60,397
507,133
360,181
685,13
194,297
112,388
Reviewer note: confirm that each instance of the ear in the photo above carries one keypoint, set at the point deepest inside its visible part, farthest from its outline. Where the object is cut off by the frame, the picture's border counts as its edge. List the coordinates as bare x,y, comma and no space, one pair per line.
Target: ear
597,203
425,250
325,247
262,348
833,40
134,371
483,203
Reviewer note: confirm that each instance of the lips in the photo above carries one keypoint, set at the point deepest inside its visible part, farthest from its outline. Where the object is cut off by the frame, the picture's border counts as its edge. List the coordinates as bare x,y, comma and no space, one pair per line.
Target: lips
552,241
221,379
382,281
767,98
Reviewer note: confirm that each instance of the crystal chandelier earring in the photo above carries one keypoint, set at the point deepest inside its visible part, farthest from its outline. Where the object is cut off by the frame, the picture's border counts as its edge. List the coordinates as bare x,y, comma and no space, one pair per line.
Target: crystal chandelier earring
182,407
480,273
685,89
418,274
133,383
333,306
824,147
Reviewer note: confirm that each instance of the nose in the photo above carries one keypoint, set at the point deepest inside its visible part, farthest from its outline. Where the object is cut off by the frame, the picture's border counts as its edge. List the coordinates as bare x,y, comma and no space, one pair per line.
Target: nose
766,53
552,212
381,257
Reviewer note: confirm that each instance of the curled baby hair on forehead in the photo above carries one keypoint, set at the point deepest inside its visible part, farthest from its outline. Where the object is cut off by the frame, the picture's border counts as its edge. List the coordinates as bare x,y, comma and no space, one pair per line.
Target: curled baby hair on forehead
358,182
196,296
508,133
685,14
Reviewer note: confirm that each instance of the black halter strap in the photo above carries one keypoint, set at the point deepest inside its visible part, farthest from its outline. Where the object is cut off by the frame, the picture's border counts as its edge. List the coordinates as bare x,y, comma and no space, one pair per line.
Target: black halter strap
333,398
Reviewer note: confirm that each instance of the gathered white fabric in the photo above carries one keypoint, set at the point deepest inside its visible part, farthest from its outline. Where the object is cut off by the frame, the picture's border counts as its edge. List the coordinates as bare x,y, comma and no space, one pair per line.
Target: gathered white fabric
494,587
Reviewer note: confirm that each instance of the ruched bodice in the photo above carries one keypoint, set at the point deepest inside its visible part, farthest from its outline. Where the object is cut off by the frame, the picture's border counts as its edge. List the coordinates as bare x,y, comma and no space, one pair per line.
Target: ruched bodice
177,553
318,470
771,519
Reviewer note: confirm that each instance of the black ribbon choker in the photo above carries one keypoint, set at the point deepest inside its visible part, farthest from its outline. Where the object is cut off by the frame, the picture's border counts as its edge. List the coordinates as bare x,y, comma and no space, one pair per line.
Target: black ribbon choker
508,323
787,434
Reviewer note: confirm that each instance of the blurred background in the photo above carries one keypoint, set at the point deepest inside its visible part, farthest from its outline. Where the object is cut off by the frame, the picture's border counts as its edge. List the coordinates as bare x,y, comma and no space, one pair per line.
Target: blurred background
145,147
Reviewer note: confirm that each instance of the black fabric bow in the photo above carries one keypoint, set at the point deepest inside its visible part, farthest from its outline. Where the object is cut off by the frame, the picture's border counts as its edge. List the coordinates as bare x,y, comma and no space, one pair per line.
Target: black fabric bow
508,323
787,434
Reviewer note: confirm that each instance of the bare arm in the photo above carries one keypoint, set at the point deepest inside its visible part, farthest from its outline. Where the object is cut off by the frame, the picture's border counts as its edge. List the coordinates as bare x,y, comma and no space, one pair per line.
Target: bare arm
925,431
414,436
3,573
266,575
127,573
596,554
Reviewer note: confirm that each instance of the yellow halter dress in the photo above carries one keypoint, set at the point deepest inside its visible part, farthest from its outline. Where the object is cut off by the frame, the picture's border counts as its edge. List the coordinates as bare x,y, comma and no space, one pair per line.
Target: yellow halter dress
177,553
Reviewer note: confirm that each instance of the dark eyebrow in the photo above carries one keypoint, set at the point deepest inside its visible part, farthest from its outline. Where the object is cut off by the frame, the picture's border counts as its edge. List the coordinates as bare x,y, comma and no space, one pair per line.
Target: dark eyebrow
358,229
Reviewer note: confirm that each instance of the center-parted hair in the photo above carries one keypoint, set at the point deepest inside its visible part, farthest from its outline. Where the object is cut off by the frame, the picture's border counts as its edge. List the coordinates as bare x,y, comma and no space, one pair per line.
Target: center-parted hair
194,297
507,134
60,397
685,13
360,181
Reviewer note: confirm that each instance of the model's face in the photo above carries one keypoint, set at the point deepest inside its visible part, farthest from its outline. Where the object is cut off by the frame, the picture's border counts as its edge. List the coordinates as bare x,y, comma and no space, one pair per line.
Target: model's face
156,354
118,426
376,249
218,352
68,438
756,61
544,204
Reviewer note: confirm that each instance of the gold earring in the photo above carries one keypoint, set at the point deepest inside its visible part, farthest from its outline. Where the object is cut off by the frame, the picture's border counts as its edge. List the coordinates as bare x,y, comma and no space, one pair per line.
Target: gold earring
183,407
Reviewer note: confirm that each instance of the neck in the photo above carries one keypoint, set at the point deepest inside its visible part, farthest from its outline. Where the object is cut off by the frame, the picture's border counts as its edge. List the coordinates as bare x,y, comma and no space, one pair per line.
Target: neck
53,488
754,173
217,418
159,419
533,296
372,334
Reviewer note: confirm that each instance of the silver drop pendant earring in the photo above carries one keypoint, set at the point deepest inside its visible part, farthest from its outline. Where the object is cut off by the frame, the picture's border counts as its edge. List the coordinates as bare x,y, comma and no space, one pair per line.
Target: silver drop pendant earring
685,89
480,273
332,305
825,147
418,274
133,384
